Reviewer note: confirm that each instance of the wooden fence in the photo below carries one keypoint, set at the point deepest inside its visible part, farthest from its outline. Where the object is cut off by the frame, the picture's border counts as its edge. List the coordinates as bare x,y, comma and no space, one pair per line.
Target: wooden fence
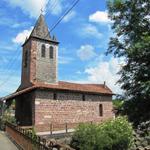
53,127
29,141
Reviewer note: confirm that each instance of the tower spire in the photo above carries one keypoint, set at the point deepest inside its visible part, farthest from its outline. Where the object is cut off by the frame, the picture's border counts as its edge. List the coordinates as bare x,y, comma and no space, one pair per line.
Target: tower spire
40,29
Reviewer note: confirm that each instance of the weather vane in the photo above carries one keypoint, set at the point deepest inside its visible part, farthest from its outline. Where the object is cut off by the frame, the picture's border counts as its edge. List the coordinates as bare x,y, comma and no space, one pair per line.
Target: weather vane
42,11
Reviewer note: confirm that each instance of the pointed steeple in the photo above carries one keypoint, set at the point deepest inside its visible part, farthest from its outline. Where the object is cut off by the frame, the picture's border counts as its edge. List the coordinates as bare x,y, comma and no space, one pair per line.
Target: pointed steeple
40,29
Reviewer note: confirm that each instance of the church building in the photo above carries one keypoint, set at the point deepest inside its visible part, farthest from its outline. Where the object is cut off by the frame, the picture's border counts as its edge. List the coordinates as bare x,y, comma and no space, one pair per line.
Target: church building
42,99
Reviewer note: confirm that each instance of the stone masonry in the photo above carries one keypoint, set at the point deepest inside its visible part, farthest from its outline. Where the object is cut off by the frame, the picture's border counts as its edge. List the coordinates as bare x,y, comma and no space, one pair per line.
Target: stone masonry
46,68
39,108
69,108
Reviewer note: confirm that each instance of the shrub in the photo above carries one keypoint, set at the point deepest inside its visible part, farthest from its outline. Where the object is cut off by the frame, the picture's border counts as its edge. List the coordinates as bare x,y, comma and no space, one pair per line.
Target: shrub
142,136
84,137
6,117
111,135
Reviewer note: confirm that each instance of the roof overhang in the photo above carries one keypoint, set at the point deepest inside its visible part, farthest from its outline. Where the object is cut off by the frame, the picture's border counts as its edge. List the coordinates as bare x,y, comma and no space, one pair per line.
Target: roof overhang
27,90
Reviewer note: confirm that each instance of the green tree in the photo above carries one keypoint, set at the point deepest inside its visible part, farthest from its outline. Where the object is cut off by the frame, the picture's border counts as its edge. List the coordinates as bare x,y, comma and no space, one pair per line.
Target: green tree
131,40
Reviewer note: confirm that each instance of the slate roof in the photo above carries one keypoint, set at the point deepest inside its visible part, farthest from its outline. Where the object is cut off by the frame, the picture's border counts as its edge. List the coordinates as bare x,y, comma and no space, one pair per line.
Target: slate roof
40,29
66,86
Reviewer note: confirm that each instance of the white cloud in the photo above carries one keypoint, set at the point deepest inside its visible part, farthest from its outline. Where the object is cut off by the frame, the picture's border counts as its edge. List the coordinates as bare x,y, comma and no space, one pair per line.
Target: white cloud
64,60
86,52
105,71
99,17
10,80
89,30
33,7
13,82
6,47
20,38
11,22
55,7
69,16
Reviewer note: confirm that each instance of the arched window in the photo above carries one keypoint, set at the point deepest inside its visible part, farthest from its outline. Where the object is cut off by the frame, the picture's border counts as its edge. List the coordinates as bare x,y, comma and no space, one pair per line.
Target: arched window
25,59
55,96
100,110
43,51
51,52
83,97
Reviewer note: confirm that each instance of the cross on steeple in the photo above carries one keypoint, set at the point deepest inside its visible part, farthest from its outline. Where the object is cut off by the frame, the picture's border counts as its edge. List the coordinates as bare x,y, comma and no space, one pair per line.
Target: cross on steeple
42,11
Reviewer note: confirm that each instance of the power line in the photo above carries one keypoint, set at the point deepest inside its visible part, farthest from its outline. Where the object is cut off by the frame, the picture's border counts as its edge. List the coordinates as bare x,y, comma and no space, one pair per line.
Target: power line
52,5
67,11
65,14
47,4
10,73
8,78
12,60
53,27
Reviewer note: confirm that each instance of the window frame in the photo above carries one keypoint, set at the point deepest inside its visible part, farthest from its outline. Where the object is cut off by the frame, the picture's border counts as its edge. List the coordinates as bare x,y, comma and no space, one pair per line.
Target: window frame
83,97
43,51
101,110
55,96
51,52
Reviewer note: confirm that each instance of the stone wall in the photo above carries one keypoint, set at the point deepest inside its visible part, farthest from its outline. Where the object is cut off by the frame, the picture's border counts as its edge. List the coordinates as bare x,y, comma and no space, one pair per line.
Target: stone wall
25,76
38,68
46,67
33,61
69,108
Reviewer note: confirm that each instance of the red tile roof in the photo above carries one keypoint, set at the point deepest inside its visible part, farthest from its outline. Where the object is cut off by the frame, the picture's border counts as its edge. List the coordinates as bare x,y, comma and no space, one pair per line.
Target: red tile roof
67,86
91,88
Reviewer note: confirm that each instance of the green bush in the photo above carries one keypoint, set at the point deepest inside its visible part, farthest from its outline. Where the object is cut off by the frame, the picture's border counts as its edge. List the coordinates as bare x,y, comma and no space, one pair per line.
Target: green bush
6,117
84,137
111,135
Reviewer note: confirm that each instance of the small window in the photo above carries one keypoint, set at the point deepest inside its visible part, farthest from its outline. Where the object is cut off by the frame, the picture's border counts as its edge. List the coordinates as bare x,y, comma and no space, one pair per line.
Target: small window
55,96
25,59
100,110
51,52
83,97
43,51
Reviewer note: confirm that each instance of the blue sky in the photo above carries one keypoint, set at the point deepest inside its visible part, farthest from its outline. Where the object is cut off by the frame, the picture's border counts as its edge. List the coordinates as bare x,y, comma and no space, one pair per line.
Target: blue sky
83,35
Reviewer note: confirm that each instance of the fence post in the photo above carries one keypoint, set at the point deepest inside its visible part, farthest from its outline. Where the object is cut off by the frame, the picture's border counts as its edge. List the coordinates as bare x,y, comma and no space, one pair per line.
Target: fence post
51,128
66,127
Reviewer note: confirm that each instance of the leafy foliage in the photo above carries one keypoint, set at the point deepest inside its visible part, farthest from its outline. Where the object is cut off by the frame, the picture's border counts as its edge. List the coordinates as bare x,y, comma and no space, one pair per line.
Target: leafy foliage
7,116
131,25
84,137
118,104
111,135
142,136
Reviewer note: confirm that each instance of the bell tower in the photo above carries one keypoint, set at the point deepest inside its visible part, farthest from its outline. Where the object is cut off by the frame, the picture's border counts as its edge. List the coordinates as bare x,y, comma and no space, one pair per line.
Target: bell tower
40,56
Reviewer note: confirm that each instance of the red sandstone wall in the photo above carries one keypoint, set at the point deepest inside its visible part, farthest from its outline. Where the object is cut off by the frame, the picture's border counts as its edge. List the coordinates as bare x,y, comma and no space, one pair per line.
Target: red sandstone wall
33,61
59,112
69,108
25,76
29,72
